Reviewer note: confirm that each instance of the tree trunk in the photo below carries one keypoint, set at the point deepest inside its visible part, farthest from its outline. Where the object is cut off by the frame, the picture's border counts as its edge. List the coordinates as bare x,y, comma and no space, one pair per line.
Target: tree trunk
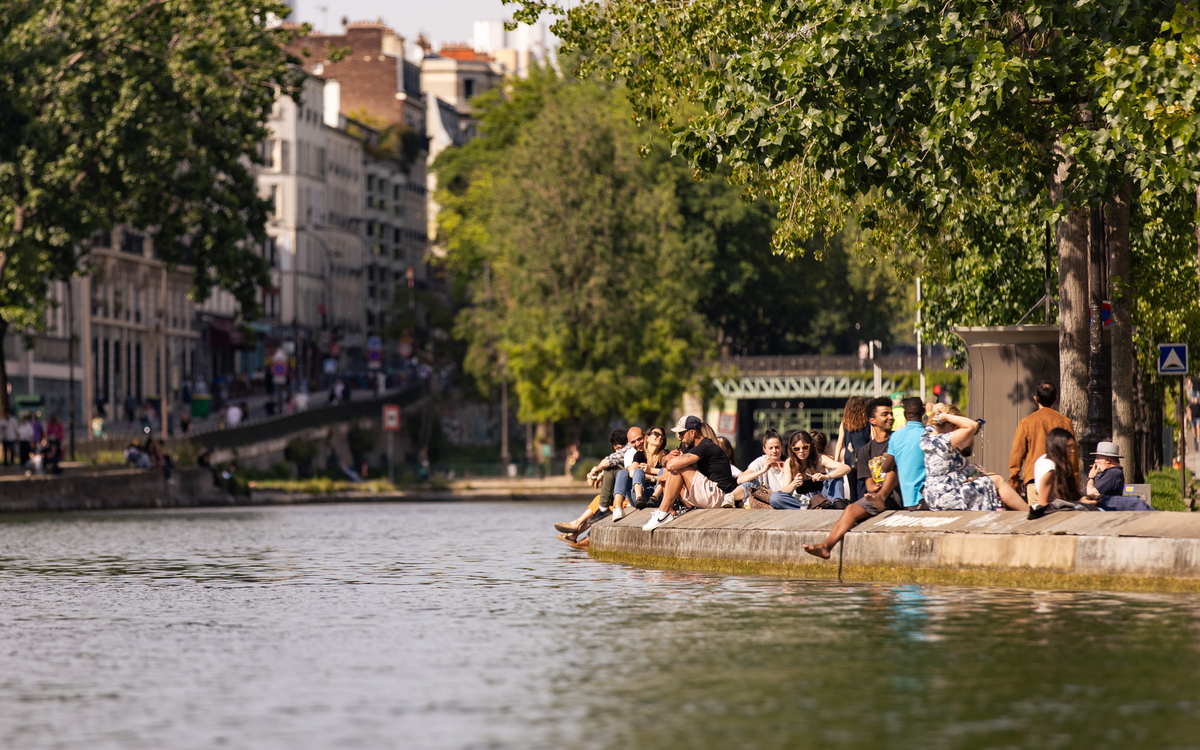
1121,291
1073,338
4,368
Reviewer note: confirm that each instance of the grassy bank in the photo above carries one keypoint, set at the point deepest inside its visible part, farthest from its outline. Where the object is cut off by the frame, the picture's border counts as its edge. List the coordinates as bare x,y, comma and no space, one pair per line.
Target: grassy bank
1164,489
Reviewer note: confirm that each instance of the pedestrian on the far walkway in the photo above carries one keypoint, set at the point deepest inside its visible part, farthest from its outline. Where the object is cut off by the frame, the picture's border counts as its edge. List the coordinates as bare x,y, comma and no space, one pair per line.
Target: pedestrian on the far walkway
25,439
8,433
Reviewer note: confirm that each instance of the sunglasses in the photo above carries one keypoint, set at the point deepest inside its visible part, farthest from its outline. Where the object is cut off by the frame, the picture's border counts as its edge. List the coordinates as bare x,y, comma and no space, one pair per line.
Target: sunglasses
799,448
656,434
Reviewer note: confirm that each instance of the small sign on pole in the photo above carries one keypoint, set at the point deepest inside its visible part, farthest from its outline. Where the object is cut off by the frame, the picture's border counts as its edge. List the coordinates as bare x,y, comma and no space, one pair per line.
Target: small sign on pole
391,425
1172,359
374,353
279,367
391,418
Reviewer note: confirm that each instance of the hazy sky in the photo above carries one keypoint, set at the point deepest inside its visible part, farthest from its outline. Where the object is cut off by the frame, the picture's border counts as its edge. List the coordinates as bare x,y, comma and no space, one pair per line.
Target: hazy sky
441,20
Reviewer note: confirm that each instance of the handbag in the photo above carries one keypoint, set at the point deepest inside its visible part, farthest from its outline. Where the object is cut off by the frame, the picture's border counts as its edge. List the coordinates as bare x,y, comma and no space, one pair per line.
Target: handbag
820,502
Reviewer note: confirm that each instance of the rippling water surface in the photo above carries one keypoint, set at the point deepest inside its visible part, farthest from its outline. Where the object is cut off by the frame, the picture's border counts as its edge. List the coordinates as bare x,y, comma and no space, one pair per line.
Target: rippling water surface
470,626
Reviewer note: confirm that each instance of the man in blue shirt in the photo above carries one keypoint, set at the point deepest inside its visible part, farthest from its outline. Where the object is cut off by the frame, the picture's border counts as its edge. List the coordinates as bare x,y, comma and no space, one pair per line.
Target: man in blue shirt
905,446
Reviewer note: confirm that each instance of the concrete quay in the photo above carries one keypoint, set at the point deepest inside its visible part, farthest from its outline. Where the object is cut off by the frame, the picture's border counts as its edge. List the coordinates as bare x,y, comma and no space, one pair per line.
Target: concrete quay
1117,551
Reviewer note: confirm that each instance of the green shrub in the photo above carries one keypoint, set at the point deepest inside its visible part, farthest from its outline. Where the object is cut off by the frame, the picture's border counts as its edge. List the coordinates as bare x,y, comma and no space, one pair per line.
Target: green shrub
302,453
361,443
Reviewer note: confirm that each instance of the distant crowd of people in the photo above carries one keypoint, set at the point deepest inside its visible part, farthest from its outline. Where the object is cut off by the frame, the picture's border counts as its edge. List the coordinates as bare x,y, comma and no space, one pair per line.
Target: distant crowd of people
874,465
30,444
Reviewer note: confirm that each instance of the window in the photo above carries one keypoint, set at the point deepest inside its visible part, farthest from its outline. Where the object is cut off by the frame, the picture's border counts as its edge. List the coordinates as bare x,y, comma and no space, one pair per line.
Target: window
132,242
268,153
273,199
285,156
468,88
396,193
321,161
370,182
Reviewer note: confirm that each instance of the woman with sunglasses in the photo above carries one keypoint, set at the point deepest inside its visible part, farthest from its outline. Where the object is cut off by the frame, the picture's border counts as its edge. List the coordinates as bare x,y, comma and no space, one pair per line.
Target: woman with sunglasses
804,473
646,489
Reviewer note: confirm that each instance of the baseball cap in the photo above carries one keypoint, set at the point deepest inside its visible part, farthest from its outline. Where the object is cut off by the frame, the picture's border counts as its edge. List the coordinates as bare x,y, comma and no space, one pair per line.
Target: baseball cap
687,423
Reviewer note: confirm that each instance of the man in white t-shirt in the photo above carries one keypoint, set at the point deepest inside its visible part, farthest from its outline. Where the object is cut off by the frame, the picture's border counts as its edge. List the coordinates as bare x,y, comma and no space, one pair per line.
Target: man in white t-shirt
233,416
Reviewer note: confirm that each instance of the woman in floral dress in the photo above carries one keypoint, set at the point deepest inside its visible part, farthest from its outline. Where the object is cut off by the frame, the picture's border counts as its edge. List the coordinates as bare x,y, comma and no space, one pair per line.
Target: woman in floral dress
950,482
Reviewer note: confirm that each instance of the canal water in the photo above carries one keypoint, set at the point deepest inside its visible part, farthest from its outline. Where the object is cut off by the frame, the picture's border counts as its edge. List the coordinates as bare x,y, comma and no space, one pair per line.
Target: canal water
465,625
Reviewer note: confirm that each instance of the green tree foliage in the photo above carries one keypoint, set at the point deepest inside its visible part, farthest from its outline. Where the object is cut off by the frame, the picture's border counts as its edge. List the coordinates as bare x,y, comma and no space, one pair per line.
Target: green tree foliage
936,126
145,113
588,295
604,280
886,110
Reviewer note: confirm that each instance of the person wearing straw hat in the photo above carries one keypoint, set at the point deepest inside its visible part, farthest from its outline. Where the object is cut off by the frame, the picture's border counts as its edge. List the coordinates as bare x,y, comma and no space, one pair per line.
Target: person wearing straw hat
1106,482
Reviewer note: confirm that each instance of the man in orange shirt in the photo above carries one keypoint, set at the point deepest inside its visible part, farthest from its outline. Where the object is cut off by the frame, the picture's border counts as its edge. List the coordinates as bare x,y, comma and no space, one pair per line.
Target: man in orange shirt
1030,441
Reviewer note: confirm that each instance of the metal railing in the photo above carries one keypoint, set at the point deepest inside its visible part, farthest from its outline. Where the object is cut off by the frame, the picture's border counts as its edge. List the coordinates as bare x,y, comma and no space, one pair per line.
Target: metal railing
817,364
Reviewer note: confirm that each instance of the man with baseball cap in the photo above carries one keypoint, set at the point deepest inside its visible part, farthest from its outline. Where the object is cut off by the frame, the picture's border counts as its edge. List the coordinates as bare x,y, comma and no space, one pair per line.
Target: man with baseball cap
699,473
1106,482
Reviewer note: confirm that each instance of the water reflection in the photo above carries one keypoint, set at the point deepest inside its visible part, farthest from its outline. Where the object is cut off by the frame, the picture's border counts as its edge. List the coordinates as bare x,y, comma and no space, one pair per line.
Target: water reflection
468,625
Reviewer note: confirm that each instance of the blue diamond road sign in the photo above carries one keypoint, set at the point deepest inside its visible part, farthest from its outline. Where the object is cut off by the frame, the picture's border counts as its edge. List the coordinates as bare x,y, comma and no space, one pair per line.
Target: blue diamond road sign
1172,359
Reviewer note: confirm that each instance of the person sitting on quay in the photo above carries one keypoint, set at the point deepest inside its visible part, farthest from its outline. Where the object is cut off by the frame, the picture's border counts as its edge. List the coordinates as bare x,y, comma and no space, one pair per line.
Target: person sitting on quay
623,480
905,447
877,479
805,474
647,488
603,476
1106,482
833,490
853,433
1029,442
950,482
698,474
1056,475
767,469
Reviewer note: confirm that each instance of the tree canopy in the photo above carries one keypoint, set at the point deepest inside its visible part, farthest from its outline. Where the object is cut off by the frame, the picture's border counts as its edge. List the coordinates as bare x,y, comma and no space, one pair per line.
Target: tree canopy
144,113
605,283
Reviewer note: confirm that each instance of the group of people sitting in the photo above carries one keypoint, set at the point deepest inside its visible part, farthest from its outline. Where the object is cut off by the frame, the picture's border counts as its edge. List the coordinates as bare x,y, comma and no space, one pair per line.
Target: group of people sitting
148,454
873,467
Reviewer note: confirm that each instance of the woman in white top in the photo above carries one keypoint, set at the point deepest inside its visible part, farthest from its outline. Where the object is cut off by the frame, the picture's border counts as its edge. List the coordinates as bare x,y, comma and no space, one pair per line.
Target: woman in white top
1055,473
767,469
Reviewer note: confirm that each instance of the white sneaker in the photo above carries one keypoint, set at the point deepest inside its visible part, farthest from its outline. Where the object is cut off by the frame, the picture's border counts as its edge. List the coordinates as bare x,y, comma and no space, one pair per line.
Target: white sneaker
618,512
728,501
657,518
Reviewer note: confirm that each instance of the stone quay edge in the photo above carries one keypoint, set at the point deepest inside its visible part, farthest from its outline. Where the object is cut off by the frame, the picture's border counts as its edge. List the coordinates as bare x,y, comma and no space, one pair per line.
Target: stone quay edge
1116,551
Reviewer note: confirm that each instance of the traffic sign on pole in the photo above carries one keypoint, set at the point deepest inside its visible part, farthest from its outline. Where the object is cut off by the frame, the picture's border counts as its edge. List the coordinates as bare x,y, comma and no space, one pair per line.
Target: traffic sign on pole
1172,359
391,425
391,418
279,367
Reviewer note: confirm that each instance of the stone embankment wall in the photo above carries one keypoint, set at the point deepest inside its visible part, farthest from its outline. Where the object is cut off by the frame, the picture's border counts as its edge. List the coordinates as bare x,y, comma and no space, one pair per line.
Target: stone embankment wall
118,489
1139,551
111,490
